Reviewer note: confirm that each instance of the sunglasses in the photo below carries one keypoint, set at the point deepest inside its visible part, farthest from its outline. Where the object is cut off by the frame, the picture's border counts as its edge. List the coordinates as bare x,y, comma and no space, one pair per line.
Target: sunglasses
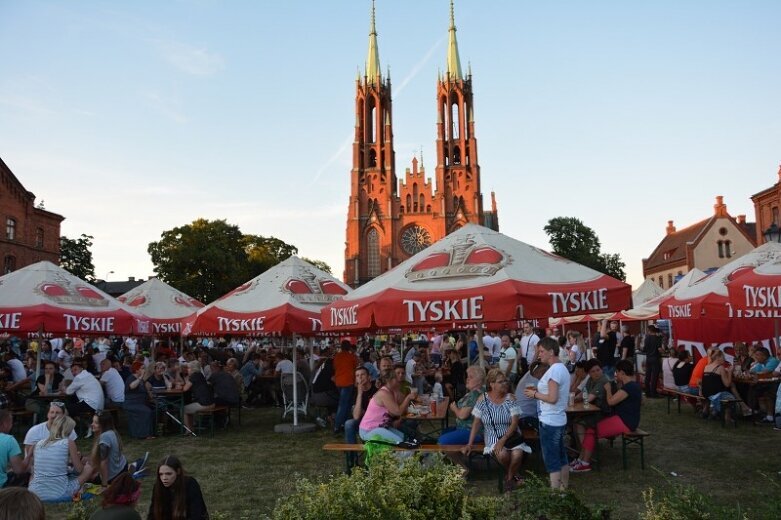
58,404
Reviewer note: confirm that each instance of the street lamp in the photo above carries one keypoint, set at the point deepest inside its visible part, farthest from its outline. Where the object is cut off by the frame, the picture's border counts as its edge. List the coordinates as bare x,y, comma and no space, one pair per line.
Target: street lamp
772,234
108,273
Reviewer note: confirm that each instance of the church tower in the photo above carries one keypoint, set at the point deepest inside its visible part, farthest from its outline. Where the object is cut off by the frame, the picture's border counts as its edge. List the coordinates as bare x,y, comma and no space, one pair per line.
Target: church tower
373,179
389,221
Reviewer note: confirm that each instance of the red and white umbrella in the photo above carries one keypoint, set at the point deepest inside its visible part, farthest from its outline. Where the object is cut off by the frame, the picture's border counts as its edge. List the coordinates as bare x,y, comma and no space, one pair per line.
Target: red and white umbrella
756,293
285,300
709,296
476,275
43,297
167,308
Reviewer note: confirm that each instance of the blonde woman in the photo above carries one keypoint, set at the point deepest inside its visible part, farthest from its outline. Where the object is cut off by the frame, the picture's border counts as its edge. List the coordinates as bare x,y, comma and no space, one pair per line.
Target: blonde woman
50,480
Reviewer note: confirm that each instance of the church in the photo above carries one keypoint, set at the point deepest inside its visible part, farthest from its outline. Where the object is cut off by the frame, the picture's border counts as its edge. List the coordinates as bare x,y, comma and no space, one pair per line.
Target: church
388,221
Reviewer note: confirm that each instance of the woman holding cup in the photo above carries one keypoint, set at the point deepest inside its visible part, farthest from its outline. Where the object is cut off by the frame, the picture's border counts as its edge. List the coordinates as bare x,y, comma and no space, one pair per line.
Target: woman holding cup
383,410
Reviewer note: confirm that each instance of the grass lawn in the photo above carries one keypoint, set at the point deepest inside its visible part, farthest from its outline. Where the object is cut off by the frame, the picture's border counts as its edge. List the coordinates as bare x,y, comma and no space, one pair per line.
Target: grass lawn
243,470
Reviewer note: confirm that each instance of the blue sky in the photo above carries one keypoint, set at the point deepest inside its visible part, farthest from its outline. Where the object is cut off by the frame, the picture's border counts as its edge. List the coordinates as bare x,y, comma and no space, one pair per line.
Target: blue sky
130,118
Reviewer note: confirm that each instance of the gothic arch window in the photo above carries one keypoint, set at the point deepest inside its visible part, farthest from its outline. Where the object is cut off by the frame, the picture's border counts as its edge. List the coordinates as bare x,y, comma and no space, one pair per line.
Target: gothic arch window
39,238
720,244
456,155
10,228
415,196
422,202
670,280
428,208
372,130
372,158
373,253
9,264
661,282
728,248
454,121
409,202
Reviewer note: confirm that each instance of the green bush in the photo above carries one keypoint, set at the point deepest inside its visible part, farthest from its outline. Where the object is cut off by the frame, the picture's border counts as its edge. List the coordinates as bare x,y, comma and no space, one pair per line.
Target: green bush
685,503
388,490
535,500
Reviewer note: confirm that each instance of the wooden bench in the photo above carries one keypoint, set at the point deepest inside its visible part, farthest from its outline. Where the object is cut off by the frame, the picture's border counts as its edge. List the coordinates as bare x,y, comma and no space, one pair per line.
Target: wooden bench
731,402
636,437
208,415
23,414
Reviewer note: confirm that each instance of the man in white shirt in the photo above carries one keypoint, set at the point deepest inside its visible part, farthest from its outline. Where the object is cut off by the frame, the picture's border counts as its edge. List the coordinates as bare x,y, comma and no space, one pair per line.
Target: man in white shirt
132,345
507,359
284,366
87,389
112,383
18,373
529,342
494,343
40,431
411,375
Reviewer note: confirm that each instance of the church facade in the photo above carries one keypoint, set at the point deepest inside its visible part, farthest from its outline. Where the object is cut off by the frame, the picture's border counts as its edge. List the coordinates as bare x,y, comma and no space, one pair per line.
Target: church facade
388,221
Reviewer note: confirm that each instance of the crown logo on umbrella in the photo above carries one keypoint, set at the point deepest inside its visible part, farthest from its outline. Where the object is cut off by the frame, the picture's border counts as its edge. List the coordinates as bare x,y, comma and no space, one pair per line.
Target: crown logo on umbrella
61,291
464,260
309,289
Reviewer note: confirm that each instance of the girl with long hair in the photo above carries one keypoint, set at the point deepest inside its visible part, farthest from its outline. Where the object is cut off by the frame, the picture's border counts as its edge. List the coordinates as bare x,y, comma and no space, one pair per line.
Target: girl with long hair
50,480
175,495
119,499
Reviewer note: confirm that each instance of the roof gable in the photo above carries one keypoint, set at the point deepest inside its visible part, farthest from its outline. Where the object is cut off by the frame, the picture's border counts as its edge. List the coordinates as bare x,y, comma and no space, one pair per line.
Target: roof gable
672,249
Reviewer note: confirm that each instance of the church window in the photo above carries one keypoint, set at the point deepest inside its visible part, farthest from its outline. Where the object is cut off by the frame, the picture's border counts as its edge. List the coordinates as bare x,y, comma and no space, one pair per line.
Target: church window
454,121
39,238
373,250
456,155
373,122
428,208
372,158
10,228
422,202
9,264
670,280
415,239
775,215
409,202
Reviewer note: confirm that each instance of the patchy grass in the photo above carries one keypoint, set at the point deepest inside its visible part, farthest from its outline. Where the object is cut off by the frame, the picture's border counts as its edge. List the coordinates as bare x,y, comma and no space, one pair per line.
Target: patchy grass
244,470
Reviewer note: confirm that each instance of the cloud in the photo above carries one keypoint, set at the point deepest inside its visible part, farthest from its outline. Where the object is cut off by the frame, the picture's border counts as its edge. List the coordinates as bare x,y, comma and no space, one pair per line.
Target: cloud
189,59
169,107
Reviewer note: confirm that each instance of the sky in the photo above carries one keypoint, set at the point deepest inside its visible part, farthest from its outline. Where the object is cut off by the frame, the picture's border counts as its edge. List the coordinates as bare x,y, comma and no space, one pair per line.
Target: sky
131,118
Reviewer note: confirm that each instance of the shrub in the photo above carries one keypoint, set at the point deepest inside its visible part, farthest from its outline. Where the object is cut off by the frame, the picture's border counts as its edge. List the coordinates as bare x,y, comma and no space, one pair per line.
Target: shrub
537,501
388,489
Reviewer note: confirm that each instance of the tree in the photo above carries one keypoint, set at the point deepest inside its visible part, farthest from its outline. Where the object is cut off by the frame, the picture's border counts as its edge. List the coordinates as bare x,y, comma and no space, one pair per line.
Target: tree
574,240
207,259
319,264
76,257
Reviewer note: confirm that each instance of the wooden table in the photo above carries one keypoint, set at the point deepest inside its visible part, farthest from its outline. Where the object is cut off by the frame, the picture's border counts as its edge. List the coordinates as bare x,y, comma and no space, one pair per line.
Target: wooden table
578,409
441,415
48,398
574,412
753,383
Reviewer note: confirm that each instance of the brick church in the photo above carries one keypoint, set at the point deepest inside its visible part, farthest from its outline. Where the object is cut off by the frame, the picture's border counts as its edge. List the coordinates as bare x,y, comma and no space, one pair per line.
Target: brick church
388,221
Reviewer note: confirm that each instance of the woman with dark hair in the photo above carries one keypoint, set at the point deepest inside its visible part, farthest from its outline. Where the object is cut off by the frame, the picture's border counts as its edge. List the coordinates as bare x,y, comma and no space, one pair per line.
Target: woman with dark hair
106,455
140,417
625,401
119,500
497,413
175,495
456,380
202,394
383,409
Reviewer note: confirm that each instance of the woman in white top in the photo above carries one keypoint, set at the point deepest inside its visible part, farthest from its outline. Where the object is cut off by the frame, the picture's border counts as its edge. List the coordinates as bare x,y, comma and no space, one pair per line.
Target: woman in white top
552,392
50,480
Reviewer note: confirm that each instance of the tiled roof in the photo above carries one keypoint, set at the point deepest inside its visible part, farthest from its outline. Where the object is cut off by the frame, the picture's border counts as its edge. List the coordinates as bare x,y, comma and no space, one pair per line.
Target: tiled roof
672,249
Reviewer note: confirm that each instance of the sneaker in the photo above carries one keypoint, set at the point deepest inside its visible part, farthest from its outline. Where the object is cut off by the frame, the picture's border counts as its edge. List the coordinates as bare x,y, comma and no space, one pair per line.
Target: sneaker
767,420
574,462
581,467
777,428
321,422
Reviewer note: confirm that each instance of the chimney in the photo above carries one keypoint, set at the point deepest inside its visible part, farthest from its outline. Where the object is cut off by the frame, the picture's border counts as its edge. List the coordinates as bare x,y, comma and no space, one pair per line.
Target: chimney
493,202
131,278
741,219
720,209
670,227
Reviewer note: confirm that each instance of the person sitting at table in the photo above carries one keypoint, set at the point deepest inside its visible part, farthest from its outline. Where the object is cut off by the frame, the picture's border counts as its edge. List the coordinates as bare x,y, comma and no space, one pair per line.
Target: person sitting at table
226,393
364,391
715,384
625,401
113,385
455,383
763,363
496,412
140,417
682,373
699,367
741,361
528,406
50,382
40,431
51,479
11,454
174,373
475,381
594,391
201,392
157,380
578,380
86,388
763,366
383,409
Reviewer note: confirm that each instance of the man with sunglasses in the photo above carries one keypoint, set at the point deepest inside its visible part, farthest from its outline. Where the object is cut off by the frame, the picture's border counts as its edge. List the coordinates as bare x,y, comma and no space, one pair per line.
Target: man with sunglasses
40,431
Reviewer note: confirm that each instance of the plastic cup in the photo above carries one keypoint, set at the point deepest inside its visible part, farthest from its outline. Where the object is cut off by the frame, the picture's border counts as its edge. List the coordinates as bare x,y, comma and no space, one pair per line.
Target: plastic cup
572,399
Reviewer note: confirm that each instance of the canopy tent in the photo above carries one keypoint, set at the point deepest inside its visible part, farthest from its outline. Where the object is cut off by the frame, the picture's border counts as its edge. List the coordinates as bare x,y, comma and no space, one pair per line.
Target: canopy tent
756,293
649,310
476,275
284,300
167,308
45,298
708,297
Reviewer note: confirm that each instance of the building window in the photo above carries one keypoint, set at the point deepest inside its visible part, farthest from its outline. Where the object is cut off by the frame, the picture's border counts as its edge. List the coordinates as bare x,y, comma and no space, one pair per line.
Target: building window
775,215
721,248
10,228
661,282
373,250
9,264
728,248
39,238
670,280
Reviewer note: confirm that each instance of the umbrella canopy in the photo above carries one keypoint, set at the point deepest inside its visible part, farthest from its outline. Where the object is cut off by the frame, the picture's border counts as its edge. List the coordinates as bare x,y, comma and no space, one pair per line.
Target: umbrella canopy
708,297
167,308
47,298
756,293
649,310
286,299
476,275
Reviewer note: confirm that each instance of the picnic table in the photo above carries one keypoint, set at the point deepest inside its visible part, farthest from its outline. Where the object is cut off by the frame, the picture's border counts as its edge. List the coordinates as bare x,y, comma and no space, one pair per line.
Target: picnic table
754,384
430,414
164,398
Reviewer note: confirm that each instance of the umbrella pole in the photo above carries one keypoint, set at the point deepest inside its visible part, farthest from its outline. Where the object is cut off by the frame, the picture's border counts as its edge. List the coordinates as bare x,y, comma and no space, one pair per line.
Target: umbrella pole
38,365
295,385
312,355
775,334
480,345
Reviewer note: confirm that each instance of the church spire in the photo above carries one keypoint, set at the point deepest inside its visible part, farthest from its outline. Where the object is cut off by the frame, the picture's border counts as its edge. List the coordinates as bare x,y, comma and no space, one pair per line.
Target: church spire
373,59
453,60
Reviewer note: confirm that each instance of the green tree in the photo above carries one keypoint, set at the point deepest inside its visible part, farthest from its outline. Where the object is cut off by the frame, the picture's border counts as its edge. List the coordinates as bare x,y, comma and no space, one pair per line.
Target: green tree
574,240
208,258
76,257
319,264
